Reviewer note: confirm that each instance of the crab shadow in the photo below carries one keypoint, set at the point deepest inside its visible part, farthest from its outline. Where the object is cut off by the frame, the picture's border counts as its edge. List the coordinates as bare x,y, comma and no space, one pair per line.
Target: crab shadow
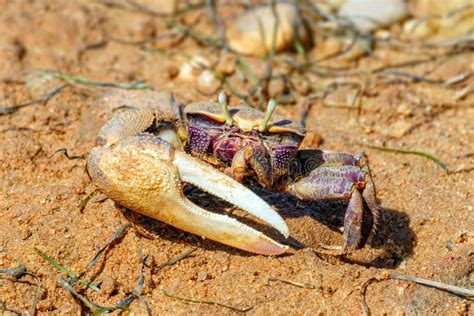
392,243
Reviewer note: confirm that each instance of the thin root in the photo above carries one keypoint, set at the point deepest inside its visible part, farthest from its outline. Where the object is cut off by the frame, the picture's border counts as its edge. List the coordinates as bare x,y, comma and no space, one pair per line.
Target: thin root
199,301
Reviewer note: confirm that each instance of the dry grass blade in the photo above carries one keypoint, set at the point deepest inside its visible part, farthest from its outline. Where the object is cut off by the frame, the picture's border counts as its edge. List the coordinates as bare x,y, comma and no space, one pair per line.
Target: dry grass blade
219,22
83,203
298,284
199,301
459,291
42,101
80,297
439,162
118,234
139,85
140,283
269,66
463,292
68,283
61,268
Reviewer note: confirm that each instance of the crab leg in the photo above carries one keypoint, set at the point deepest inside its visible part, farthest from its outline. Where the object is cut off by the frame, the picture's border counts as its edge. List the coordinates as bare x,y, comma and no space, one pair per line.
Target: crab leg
336,180
322,187
353,222
313,158
145,174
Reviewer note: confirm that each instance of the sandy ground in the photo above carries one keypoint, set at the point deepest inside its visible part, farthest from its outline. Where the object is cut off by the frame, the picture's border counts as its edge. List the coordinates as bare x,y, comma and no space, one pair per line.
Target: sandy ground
426,229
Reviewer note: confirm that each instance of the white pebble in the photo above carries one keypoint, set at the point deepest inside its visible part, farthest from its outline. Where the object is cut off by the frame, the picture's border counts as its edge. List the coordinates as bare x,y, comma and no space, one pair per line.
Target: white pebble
368,15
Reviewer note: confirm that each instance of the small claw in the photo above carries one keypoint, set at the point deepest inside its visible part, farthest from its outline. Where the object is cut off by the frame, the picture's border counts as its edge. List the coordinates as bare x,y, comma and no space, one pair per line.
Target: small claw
353,222
360,225
370,198
145,174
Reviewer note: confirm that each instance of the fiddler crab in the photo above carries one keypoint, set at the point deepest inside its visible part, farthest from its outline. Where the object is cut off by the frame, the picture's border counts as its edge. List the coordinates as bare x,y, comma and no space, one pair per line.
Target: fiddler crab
143,158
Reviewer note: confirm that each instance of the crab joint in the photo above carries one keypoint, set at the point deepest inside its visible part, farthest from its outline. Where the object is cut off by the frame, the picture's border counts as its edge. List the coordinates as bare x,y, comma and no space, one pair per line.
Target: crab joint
225,110
270,109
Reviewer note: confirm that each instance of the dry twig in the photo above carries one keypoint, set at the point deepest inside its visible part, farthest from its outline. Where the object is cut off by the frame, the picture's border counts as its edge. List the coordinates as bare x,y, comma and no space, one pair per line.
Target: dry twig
41,101
199,301
66,154
17,273
459,291
172,261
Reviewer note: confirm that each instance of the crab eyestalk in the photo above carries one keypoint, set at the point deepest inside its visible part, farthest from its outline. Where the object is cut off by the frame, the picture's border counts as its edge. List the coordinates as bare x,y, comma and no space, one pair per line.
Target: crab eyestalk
270,109
225,110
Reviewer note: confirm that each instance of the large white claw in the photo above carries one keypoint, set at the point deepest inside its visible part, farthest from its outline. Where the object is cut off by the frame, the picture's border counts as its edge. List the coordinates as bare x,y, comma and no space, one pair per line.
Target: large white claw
145,174
200,174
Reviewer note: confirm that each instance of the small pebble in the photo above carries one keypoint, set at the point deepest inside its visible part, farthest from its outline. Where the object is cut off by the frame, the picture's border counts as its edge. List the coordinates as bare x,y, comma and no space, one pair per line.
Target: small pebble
404,110
276,87
450,245
399,129
173,72
202,275
25,234
191,70
207,82
108,286
301,85
226,65
327,291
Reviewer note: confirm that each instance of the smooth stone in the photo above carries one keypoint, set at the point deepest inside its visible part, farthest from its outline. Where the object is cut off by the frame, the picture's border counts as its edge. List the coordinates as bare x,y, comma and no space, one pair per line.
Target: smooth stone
368,15
207,82
252,32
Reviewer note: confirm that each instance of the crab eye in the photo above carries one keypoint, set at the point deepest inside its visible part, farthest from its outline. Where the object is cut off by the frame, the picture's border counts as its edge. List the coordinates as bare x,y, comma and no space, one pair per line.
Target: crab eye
225,109
270,109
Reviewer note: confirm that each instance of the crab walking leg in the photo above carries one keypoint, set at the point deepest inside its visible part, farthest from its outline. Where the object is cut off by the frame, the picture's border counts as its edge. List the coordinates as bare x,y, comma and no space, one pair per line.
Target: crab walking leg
352,173
145,174
370,198
321,187
343,182
317,187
